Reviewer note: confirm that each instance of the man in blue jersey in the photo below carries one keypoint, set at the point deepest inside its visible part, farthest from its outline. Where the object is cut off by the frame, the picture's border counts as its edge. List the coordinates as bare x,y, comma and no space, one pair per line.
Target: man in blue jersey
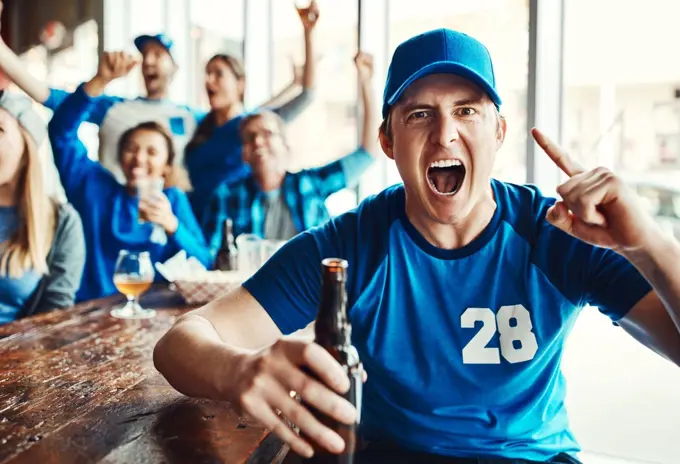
461,289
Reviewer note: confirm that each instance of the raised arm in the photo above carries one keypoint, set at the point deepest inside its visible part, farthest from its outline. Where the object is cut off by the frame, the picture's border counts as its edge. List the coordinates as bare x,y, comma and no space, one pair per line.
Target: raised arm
347,171
70,155
598,208
35,88
292,108
17,73
41,92
369,128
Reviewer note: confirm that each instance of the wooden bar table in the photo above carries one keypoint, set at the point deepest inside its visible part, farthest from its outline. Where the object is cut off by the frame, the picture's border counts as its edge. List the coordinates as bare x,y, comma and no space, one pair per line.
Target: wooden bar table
78,386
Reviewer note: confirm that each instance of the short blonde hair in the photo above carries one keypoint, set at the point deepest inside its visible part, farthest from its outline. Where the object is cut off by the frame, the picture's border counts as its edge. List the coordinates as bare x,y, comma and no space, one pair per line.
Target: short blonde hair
280,123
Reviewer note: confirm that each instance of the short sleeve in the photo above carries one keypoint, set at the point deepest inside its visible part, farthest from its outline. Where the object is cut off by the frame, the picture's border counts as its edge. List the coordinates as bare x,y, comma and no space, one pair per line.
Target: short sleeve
288,286
586,274
614,285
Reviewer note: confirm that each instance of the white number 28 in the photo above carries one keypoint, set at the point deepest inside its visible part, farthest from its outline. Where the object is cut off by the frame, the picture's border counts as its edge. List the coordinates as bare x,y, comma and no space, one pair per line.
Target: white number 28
477,352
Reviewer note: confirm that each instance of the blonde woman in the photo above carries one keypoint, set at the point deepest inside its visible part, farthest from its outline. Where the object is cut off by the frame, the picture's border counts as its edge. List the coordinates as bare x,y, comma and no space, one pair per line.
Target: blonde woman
42,249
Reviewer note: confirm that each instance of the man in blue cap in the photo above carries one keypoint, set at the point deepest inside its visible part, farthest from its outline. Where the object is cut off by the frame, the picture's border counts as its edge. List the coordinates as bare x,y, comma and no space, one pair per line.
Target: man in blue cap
461,289
113,114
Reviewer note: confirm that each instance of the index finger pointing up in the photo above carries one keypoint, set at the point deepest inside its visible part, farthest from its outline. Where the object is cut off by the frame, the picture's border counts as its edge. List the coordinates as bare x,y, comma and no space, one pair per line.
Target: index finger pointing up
561,158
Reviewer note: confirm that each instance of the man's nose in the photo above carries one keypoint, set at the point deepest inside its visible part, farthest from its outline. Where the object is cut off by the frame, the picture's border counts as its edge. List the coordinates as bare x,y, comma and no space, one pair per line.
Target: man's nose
445,132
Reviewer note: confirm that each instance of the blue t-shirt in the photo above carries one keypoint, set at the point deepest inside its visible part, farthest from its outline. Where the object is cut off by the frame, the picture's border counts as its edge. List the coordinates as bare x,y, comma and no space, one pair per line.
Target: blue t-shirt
216,160
13,292
462,347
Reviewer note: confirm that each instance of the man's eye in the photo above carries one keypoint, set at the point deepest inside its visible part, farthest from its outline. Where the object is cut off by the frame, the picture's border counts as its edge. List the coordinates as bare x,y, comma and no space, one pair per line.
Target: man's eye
417,115
466,111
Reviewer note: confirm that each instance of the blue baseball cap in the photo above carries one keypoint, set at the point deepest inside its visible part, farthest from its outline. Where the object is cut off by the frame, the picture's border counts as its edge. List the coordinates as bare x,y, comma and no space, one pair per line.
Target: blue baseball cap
439,51
162,39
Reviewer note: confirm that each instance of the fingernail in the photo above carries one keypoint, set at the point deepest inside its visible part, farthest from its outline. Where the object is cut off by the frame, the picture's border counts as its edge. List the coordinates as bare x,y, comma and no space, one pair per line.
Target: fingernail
555,213
307,452
342,384
334,442
348,414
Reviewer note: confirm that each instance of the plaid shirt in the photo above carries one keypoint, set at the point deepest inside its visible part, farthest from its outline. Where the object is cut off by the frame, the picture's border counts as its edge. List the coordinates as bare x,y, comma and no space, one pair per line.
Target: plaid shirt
304,193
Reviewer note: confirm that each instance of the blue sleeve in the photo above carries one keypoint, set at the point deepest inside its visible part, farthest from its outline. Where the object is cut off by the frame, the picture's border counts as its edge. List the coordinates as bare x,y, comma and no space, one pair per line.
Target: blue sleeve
100,106
288,285
293,108
342,173
188,236
587,274
70,155
56,98
198,114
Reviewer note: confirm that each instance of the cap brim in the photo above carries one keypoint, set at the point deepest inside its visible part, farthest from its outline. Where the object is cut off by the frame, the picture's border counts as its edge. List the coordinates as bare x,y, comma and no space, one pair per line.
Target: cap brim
143,39
446,67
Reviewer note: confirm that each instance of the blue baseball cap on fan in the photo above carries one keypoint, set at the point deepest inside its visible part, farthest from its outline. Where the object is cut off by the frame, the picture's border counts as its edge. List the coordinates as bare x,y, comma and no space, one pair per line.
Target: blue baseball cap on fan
439,51
162,39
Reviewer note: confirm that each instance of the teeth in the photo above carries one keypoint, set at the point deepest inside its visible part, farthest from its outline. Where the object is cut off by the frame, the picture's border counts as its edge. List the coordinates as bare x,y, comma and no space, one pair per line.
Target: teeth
445,163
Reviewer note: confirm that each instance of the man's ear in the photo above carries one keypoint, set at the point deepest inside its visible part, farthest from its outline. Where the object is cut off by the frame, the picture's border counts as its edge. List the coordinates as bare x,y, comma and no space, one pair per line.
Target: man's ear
386,143
501,131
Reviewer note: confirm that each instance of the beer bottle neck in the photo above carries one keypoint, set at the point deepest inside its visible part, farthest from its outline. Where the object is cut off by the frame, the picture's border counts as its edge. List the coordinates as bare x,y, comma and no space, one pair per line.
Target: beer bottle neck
332,327
227,236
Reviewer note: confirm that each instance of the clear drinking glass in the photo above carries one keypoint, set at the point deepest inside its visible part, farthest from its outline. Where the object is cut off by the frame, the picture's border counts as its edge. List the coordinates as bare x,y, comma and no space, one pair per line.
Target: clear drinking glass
268,248
249,253
133,276
148,188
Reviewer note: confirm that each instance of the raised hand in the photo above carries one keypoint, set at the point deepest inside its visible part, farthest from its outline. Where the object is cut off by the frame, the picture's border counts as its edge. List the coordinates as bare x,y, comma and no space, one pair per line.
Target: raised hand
364,63
309,15
113,65
596,206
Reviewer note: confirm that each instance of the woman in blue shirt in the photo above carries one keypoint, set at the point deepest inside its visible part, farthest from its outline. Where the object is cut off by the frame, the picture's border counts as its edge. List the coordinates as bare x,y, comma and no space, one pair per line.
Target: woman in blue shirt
213,155
110,211
41,242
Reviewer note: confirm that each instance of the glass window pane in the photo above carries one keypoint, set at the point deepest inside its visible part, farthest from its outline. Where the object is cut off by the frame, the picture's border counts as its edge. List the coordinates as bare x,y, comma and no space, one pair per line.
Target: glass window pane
216,27
147,17
621,110
501,25
327,130
621,97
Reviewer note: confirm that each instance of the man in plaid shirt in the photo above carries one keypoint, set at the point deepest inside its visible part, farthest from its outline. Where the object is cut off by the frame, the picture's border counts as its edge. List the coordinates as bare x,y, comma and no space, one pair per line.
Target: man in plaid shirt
274,203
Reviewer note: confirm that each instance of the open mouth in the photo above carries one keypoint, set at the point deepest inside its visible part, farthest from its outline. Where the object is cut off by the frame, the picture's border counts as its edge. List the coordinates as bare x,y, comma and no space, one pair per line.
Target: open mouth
138,172
211,93
151,76
446,176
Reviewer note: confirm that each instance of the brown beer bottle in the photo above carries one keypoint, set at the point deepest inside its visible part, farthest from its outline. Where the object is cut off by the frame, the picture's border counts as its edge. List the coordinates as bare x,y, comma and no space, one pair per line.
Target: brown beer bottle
333,332
227,256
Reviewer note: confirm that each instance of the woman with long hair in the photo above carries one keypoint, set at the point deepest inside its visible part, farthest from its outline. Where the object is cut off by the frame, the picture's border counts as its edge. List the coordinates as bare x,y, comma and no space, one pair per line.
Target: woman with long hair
213,155
110,211
42,249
